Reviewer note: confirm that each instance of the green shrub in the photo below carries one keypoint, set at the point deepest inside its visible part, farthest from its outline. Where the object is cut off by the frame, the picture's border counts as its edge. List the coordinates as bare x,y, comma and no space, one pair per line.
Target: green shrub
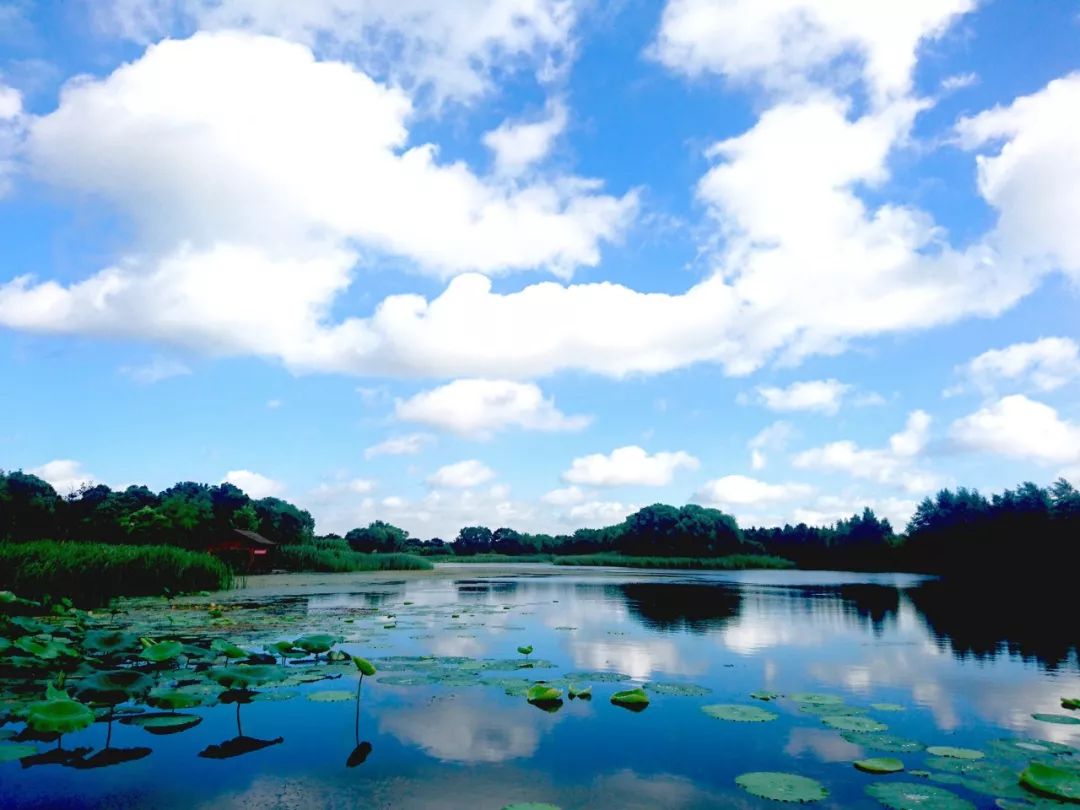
326,557
732,562
94,573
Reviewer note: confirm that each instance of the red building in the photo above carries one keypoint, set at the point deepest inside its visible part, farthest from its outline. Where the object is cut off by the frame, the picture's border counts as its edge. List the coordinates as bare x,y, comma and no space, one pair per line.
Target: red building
245,551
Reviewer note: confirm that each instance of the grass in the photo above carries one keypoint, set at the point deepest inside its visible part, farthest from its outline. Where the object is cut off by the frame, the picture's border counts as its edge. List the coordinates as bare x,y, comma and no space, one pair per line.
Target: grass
492,558
732,562
322,557
93,573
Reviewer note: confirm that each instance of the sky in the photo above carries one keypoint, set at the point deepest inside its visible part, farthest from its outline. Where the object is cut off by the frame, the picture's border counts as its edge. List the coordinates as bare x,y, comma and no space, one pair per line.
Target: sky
538,263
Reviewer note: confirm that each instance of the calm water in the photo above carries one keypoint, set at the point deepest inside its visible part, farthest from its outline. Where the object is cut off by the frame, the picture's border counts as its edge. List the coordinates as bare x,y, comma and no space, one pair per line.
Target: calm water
969,667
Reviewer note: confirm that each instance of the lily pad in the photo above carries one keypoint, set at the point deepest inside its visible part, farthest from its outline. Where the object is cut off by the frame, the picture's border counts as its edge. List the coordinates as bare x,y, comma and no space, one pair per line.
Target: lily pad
879,765
316,643
1051,781
845,722
330,696
954,753
59,716
114,686
888,707
162,651
1070,703
542,693
916,796
739,714
597,677
164,723
631,699
585,693
763,695
245,676
679,689
1061,719
10,751
782,787
883,742
175,699
815,697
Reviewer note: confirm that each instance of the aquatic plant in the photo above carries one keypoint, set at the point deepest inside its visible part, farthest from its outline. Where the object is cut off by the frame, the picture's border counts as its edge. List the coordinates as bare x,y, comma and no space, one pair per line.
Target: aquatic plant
1060,719
876,741
585,693
951,752
160,652
112,687
58,714
526,651
915,796
845,722
739,714
1070,703
544,697
782,787
229,650
1051,781
879,765
635,699
165,723
315,643
678,689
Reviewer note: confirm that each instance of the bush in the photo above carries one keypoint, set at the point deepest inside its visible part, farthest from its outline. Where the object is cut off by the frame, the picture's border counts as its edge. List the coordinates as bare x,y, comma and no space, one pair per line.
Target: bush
93,573
732,562
336,557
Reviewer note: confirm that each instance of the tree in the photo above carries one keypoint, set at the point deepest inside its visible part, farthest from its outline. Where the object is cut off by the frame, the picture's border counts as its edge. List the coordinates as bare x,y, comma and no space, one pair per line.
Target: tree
473,540
377,537
29,507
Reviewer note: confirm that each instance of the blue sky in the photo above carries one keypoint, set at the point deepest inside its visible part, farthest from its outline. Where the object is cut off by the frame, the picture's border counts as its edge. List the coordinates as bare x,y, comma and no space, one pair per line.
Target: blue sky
540,262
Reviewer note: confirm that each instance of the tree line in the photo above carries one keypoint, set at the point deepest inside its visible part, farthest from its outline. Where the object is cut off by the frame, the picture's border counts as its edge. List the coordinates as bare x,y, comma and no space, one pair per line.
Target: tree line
954,531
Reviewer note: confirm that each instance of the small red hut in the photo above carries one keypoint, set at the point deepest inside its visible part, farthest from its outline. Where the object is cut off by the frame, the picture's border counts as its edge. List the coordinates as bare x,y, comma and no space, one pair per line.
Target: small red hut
245,551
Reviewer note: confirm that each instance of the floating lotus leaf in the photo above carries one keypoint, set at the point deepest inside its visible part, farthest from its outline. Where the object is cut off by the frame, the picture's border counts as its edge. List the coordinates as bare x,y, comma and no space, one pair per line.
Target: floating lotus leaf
1061,719
678,689
597,677
109,642
1018,748
175,699
46,647
285,649
543,693
316,643
164,723
815,697
10,751
1051,781
954,753
1070,703
845,722
330,696
834,709
407,680
763,695
883,742
162,651
739,714
245,676
631,699
274,696
782,787
365,666
526,650
915,796
531,806
879,765
888,707
114,686
228,649
59,716
981,776
585,693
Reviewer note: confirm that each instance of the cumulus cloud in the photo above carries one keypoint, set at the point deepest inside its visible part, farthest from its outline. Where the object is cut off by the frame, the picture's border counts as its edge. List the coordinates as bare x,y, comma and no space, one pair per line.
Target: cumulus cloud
773,438
453,49
517,145
565,496
254,484
157,369
741,490
328,492
66,475
629,465
12,130
597,514
823,396
790,46
462,475
1018,427
894,465
408,445
1044,365
479,408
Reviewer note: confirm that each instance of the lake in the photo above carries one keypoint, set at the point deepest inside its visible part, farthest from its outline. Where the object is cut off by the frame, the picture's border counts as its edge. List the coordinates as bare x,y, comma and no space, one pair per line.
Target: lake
445,722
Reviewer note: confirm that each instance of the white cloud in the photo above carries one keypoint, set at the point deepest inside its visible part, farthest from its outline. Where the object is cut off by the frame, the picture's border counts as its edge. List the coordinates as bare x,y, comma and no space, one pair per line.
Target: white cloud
274,404
741,490
629,465
480,408
773,438
791,45
828,509
597,514
1033,180
517,145
566,496
328,492
65,475
894,465
1045,365
408,445
158,369
823,396
462,475
1018,427
12,131
10,103
254,484
452,48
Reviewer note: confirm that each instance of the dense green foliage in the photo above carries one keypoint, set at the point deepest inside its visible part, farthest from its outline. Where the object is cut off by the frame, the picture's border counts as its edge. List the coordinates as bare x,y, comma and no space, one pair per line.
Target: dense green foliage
93,573
732,562
328,556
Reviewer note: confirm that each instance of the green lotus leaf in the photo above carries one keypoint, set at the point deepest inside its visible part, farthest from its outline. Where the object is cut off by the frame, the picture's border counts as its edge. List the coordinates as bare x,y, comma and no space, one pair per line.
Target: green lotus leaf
58,716
12,751
888,707
526,650
1051,781
845,722
915,796
274,696
46,647
316,643
678,689
739,714
1070,703
175,699
245,676
542,693
160,724
114,686
330,696
365,666
162,651
531,806
284,649
109,642
596,677
631,698
815,697
585,693
834,709
954,753
782,787
763,695
879,765
1061,719
877,741
1020,748
228,649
